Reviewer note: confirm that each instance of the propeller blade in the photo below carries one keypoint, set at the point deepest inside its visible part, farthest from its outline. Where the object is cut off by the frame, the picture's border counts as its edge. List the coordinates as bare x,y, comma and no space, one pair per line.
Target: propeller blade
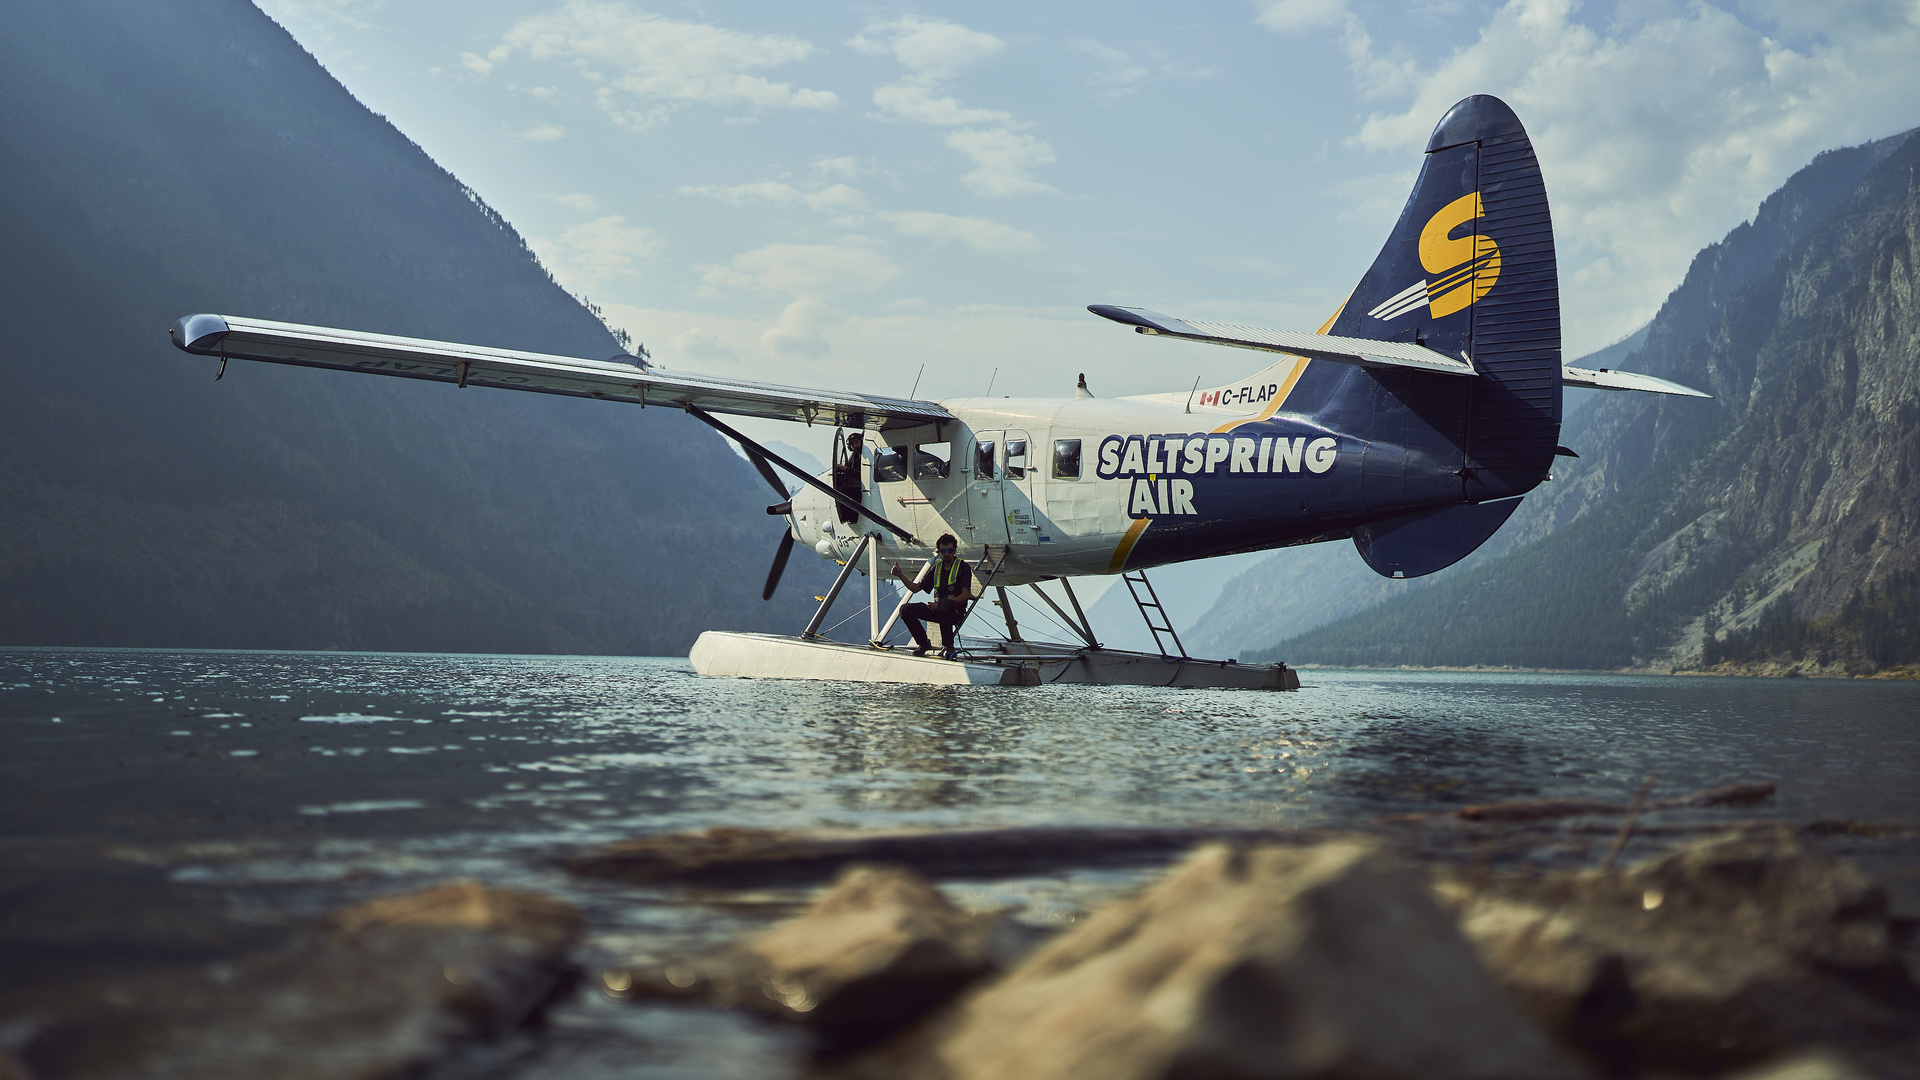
766,471
779,565
781,509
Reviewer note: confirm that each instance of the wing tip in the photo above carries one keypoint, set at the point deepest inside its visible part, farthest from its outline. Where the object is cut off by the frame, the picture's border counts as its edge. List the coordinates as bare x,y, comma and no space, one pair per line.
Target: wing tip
198,333
1129,316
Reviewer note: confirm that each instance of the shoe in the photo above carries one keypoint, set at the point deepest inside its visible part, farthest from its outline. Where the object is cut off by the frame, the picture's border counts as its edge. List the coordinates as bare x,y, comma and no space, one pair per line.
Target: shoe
922,650
949,654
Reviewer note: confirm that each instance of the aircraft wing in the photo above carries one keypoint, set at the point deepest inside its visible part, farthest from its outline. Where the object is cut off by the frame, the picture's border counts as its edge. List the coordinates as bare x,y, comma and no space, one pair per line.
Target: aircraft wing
230,337
1312,346
1610,379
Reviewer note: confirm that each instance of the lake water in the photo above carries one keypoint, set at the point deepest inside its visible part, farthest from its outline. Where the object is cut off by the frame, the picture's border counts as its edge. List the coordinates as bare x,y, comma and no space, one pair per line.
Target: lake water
163,808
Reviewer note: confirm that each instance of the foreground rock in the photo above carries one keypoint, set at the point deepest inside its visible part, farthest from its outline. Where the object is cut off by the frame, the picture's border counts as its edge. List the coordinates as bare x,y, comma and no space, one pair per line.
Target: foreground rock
388,987
1252,962
880,949
1722,955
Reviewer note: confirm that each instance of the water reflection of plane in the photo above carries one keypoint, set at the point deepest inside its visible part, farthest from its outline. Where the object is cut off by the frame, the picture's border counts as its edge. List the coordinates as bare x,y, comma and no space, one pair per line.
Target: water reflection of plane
1412,423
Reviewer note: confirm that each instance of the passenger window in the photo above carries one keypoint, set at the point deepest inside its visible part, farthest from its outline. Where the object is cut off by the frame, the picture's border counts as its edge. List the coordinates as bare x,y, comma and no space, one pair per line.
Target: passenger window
932,461
1066,459
983,460
889,464
1016,459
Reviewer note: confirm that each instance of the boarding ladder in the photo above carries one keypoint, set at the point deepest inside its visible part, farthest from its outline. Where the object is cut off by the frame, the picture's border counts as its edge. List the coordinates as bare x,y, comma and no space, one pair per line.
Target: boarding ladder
1150,607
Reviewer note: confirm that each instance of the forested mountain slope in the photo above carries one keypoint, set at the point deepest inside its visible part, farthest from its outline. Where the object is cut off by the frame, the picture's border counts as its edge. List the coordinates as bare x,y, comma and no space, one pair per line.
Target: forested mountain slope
1686,522
164,159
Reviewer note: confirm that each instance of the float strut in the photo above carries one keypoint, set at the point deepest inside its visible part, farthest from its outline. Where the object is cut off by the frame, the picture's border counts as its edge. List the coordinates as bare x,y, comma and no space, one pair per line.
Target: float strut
1075,601
826,602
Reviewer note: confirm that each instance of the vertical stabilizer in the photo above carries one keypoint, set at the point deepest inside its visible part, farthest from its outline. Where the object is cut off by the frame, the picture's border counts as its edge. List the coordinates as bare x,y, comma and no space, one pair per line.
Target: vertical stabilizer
1469,270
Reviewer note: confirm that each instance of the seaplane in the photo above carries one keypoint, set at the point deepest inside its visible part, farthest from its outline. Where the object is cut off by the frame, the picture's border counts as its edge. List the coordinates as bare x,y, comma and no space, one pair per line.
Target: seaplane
1412,423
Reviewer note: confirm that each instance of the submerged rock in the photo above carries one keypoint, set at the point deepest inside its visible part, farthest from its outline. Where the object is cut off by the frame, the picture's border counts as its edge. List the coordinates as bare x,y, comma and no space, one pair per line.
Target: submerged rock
732,856
1244,962
390,986
1722,955
878,950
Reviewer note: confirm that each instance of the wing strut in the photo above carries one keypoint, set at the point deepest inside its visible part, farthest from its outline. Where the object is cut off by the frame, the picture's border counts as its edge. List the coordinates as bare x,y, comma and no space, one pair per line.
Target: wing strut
850,503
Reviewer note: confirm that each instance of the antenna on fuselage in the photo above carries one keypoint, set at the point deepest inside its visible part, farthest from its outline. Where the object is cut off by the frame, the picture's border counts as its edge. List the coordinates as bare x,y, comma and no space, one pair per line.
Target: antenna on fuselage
996,375
916,382
1196,386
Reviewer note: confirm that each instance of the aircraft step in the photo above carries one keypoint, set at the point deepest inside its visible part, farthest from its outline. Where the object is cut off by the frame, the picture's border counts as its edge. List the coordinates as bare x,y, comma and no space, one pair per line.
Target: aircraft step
1137,584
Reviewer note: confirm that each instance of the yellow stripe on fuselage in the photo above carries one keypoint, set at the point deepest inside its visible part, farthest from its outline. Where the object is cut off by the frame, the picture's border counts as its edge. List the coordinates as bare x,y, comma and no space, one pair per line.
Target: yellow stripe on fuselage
1125,547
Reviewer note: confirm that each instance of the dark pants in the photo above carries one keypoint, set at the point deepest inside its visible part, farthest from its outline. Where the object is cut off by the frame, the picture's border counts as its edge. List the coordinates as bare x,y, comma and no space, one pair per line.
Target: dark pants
949,616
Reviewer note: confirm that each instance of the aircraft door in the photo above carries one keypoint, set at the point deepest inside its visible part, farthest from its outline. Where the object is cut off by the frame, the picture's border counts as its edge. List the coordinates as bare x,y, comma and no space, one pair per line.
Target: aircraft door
986,504
1019,460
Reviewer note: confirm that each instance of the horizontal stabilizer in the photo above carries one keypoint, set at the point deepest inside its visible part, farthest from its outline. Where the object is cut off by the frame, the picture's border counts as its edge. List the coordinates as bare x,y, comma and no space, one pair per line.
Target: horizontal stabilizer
1430,540
227,336
1363,351
1610,379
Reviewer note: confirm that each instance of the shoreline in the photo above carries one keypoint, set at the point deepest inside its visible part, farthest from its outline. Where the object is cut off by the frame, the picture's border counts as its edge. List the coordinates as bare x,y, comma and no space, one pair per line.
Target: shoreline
1770,670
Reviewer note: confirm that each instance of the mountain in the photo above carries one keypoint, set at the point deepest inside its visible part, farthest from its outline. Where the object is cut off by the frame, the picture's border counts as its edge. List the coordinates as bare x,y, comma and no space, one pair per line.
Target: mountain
165,159
1775,524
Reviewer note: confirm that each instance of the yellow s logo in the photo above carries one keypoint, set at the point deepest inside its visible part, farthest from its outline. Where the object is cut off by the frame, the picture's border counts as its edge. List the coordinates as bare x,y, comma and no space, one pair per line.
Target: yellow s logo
1467,266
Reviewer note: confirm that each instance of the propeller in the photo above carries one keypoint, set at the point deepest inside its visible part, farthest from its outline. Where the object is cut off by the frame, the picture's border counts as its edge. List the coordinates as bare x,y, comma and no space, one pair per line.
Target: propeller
779,565
779,509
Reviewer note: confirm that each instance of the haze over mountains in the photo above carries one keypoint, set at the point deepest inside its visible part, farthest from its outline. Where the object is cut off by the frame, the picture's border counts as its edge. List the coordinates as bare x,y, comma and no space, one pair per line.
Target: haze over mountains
187,157
1778,523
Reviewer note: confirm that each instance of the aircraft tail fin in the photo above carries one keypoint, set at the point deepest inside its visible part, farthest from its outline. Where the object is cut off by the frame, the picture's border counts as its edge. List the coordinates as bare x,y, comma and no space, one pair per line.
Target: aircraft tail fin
1469,272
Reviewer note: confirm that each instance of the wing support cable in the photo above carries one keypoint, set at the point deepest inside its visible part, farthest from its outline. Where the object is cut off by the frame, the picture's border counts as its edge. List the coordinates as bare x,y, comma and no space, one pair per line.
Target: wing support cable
1078,628
844,500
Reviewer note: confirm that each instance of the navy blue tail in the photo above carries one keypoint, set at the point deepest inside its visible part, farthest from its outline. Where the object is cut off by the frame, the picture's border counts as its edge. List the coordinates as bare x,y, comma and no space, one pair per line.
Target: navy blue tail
1468,271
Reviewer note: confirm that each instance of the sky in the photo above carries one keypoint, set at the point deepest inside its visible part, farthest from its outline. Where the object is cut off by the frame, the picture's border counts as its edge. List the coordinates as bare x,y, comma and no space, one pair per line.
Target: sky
923,199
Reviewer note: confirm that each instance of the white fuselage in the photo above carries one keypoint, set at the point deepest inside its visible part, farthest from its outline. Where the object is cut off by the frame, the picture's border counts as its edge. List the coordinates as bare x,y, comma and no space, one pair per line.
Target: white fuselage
1042,481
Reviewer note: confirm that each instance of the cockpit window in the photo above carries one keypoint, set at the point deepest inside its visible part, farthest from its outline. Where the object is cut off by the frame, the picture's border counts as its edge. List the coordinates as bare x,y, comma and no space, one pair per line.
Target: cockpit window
983,460
889,464
1066,459
932,461
1016,459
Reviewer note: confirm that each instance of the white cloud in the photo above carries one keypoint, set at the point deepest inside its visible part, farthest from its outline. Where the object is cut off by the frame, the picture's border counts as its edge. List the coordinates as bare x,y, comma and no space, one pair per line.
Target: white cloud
837,166
1002,159
578,200
910,101
932,51
1292,16
540,133
807,271
1120,73
838,198
699,344
1660,130
977,233
770,191
801,329
594,255
642,66
929,48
